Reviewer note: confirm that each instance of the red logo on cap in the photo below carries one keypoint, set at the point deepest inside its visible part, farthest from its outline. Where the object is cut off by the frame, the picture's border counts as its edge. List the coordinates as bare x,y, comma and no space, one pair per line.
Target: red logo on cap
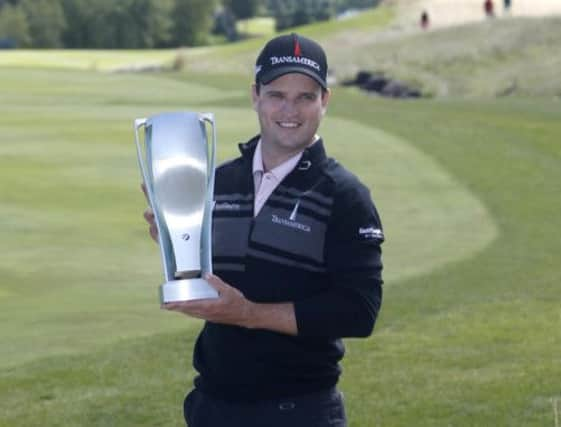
297,50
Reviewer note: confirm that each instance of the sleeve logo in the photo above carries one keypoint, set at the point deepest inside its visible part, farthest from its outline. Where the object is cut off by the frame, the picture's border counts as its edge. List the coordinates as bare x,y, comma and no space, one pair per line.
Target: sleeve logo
368,233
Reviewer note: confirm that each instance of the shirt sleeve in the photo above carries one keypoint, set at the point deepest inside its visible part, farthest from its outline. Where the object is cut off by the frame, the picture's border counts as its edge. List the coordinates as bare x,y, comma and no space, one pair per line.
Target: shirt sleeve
350,305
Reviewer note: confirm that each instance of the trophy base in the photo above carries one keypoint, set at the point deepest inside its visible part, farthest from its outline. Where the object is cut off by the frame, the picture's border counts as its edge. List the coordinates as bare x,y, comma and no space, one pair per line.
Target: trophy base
186,290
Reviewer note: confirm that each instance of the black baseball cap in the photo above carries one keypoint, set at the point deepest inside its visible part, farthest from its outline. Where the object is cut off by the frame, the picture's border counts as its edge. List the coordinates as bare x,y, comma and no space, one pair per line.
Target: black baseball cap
291,53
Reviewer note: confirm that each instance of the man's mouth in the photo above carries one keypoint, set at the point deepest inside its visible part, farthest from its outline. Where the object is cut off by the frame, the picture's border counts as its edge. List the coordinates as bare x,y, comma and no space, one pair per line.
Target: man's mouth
288,125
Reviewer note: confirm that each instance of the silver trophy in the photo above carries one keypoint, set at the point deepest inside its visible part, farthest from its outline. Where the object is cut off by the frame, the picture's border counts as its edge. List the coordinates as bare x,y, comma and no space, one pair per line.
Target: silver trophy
177,165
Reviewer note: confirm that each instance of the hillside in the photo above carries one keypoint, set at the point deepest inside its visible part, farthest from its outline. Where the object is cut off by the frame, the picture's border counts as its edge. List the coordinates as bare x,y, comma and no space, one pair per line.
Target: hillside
517,56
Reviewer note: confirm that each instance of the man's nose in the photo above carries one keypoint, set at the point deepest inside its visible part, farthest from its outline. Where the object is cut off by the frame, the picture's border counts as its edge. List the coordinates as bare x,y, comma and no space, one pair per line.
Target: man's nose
289,106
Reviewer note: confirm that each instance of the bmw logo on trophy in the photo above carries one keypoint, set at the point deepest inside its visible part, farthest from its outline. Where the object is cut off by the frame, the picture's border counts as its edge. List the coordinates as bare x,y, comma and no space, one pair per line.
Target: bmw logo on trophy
177,164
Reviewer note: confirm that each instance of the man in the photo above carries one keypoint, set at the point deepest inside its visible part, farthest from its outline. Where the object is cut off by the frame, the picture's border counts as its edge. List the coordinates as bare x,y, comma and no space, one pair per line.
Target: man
296,256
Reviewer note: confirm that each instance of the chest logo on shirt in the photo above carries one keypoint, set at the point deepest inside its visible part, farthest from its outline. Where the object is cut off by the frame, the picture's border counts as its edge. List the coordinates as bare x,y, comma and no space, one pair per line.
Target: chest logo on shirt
291,224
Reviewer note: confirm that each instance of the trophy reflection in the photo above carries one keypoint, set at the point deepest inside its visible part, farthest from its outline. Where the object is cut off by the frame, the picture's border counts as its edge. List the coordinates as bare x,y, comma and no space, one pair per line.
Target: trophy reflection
177,164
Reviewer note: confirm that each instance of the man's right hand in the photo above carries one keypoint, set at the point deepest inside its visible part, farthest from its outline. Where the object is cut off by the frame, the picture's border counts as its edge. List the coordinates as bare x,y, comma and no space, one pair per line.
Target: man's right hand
149,217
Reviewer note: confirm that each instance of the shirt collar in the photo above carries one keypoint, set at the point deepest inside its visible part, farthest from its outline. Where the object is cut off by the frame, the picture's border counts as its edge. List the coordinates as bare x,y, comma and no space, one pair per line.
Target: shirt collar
278,172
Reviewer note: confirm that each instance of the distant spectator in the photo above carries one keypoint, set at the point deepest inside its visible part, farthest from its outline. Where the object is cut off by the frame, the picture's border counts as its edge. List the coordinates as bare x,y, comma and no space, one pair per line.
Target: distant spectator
8,43
506,5
489,8
425,21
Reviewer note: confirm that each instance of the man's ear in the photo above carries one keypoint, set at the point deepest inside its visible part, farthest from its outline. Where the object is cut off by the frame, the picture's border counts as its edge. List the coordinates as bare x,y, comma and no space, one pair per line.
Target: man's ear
254,96
325,97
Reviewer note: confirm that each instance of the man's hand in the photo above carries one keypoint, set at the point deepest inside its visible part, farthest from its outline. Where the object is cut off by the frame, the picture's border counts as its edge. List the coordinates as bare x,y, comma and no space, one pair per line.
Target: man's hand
149,217
233,308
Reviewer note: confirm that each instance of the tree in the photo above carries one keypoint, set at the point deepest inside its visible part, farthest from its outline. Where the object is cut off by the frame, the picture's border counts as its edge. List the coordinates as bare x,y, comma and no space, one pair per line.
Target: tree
292,13
242,9
233,11
225,23
192,21
78,14
46,22
11,2
283,12
131,24
14,26
153,20
325,10
136,24
343,5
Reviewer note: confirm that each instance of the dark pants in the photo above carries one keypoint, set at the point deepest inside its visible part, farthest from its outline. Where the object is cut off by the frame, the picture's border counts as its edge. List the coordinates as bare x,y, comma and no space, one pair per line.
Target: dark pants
321,409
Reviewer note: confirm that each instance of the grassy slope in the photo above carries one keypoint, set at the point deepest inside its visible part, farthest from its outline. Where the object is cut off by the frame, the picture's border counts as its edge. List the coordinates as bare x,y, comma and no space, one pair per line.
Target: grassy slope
472,343
78,272
483,59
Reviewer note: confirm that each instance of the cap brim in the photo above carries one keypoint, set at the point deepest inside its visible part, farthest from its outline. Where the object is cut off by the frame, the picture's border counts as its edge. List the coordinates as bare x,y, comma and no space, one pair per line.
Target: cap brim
271,75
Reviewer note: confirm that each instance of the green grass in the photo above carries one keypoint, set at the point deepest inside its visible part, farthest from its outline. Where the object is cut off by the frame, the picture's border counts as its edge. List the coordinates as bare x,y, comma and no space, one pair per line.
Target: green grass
72,205
468,192
474,343
470,322
85,59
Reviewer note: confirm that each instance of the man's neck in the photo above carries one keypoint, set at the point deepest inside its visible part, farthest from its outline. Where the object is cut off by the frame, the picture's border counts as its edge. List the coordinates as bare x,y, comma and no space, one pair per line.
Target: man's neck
273,158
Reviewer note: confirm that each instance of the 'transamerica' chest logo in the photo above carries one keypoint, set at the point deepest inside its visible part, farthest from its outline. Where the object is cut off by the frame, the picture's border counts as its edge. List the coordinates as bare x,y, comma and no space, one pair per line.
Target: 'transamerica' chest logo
292,224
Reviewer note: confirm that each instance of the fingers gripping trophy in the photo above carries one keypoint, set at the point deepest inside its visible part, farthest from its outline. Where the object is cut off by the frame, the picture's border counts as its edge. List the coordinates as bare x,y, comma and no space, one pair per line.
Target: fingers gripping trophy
177,161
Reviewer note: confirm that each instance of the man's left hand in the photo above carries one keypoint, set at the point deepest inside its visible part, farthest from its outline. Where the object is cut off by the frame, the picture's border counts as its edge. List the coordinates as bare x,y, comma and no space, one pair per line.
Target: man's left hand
231,307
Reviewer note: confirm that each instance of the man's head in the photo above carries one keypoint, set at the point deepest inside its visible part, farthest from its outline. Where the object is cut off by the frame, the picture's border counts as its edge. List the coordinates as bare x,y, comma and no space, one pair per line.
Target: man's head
290,93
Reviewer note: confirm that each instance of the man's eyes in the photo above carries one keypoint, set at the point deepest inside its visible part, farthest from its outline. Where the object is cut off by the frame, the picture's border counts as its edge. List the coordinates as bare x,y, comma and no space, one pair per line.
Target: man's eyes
309,97
303,97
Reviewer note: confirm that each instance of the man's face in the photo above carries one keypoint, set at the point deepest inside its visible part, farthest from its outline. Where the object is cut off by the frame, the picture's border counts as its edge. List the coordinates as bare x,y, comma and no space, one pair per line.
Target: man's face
290,109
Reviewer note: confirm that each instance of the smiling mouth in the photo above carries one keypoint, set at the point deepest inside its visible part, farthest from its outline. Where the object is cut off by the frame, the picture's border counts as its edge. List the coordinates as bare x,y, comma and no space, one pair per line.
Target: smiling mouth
288,125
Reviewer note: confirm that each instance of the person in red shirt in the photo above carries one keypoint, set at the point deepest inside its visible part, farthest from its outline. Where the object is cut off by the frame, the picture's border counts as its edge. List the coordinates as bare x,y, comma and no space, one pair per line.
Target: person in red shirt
489,8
